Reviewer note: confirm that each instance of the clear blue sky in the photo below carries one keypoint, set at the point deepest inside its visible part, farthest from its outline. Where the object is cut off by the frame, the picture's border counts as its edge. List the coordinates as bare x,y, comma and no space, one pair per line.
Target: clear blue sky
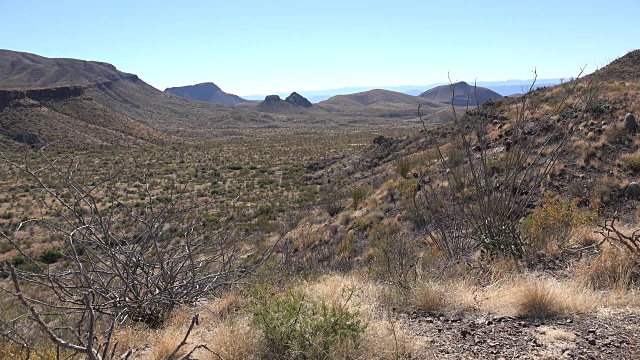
250,47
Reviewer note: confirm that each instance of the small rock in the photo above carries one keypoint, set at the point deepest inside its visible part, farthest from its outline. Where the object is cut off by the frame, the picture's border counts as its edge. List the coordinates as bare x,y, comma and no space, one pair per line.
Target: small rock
507,145
591,331
592,341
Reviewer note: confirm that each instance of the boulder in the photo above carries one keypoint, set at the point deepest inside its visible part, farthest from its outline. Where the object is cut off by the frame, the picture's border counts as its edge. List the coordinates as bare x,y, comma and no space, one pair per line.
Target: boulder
630,123
633,191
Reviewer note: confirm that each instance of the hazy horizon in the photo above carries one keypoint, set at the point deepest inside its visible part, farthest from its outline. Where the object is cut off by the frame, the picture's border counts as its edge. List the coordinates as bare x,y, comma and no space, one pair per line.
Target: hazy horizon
265,48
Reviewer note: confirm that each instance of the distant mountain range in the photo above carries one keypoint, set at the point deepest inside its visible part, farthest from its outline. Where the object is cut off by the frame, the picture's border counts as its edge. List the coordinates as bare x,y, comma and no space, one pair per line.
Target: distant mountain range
86,104
504,88
208,92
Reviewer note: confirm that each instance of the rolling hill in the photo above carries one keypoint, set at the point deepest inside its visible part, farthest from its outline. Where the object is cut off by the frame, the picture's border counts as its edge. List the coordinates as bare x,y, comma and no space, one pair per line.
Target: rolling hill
208,92
625,68
371,97
465,94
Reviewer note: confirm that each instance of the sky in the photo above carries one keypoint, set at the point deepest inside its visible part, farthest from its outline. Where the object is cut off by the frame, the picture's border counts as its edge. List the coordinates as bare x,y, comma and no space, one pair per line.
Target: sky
263,47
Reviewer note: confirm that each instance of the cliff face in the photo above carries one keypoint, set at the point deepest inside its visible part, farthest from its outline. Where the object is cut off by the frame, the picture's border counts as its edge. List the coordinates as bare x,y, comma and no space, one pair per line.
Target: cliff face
57,92
42,94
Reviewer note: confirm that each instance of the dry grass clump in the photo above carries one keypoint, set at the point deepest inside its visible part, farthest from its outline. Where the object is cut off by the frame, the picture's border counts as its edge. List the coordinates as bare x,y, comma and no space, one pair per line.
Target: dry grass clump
630,161
429,297
165,342
386,340
366,295
611,269
236,339
617,134
509,294
542,298
537,300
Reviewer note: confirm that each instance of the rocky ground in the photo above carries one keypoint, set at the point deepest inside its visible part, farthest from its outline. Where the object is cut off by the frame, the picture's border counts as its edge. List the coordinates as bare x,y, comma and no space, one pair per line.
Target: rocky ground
605,335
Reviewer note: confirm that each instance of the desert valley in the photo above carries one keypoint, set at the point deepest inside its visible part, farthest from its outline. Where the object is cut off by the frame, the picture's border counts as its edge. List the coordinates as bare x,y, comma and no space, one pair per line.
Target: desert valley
191,223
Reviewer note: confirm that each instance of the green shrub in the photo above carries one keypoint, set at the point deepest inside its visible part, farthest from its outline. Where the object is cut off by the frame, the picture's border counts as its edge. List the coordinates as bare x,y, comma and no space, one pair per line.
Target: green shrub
18,260
403,166
23,264
408,187
550,226
298,328
50,256
5,248
330,200
357,195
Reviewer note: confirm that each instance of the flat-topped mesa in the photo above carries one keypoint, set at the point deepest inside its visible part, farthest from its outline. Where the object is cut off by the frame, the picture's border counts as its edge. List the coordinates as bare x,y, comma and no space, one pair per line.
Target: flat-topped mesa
208,92
42,94
272,99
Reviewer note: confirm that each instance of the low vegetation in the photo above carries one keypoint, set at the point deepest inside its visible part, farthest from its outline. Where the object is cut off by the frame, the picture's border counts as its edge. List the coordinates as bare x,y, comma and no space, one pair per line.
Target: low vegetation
319,246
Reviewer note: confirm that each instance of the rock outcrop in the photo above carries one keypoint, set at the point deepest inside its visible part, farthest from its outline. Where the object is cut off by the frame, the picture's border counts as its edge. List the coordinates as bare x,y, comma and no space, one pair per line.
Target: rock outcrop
272,100
298,100
42,94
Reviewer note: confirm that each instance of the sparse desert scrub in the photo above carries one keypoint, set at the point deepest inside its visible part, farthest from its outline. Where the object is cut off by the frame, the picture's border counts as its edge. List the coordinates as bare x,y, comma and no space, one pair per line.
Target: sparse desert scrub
551,226
357,195
510,294
403,167
117,263
395,255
